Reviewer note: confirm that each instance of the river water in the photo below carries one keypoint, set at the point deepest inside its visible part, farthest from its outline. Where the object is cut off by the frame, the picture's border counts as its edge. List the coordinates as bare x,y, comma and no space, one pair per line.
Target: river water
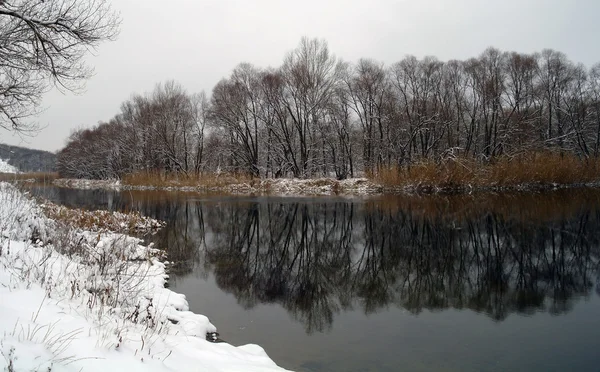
492,282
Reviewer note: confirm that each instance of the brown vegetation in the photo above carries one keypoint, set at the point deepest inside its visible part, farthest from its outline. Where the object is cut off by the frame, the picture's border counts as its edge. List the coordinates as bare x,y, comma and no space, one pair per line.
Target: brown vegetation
241,183
101,220
37,177
165,179
529,171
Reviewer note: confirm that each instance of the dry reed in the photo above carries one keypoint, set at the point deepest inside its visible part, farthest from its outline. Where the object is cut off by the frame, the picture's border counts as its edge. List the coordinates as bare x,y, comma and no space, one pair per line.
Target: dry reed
33,177
535,170
165,179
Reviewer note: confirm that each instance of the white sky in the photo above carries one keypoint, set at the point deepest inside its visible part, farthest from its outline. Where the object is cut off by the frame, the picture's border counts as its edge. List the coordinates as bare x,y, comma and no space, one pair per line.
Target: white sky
198,42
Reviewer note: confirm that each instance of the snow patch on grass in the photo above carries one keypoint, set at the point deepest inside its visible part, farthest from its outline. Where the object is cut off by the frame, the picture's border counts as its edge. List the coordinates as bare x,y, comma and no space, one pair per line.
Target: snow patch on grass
102,220
277,186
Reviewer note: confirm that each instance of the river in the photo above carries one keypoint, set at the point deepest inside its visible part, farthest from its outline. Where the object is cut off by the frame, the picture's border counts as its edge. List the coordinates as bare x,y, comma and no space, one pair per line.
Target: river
492,282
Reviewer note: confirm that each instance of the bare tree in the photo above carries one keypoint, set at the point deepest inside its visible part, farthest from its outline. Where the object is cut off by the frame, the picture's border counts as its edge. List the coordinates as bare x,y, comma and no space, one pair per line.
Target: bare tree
369,86
44,42
282,139
520,101
235,107
575,110
554,72
339,129
200,108
595,105
173,121
418,88
310,73
490,86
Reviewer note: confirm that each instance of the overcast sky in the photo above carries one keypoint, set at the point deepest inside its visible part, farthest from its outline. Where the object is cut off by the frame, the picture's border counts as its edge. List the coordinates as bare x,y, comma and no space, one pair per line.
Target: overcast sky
198,42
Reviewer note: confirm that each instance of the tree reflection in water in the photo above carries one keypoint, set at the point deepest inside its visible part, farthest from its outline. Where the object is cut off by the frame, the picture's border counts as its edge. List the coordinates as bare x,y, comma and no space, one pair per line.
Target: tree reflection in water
317,258
495,254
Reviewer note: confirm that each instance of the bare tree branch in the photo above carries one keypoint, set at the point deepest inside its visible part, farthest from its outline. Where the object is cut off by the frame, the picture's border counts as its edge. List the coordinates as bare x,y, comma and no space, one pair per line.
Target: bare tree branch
43,44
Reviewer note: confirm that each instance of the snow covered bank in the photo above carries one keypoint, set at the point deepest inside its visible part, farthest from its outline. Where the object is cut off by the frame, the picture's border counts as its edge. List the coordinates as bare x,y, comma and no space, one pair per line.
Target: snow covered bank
276,187
102,220
84,184
94,301
326,187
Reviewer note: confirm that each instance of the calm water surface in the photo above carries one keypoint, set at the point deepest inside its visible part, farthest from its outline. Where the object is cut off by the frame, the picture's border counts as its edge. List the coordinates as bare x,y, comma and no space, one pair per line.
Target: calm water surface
465,283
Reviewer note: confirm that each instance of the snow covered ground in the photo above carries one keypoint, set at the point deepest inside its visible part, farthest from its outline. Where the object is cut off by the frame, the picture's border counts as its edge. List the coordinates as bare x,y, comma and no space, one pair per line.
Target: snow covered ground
277,187
74,300
7,168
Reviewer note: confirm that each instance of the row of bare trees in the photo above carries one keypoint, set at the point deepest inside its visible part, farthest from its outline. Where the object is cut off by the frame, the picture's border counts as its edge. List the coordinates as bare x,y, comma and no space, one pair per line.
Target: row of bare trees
161,131
317,115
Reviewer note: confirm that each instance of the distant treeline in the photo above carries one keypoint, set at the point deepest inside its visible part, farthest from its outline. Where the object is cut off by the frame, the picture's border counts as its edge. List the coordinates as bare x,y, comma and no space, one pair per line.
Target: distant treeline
316,115
28,160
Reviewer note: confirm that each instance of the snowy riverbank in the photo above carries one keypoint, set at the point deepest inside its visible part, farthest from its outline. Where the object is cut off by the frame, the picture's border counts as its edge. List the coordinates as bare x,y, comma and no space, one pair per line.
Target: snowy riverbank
352,187
76,300
274,187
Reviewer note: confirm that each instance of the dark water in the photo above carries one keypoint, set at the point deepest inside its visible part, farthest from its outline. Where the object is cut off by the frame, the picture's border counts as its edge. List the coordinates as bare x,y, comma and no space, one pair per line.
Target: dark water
465,283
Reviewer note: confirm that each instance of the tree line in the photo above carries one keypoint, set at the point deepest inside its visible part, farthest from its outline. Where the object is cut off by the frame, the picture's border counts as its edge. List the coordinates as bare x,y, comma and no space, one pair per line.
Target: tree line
317,115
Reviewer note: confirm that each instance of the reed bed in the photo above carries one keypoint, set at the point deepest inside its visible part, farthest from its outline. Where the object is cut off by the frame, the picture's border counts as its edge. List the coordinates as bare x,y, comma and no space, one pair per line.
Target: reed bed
536,170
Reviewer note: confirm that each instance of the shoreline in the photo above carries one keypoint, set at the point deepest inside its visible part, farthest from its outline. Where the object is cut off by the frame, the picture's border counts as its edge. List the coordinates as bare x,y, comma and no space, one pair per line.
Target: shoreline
111,289
353,187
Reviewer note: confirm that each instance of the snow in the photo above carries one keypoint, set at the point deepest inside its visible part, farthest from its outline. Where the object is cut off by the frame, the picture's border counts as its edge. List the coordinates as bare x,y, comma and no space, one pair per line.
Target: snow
103,220
275,187
77,300
7,168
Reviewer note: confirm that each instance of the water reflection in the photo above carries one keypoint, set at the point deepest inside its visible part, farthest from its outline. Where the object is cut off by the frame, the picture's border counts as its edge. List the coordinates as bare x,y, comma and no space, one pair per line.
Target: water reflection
495,254
318,259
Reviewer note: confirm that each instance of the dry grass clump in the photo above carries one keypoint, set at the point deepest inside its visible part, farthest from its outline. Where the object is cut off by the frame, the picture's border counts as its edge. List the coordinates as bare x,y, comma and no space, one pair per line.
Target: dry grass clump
102,220
543,168
207,180
530,170
34,177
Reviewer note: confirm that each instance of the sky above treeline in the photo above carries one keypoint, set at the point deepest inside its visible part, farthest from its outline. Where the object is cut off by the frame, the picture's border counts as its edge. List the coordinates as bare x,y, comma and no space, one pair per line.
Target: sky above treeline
198,42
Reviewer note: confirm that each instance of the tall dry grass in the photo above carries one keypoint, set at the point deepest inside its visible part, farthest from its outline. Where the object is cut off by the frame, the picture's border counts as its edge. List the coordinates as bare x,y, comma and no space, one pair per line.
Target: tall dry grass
132,223
166,179
33,177
529,170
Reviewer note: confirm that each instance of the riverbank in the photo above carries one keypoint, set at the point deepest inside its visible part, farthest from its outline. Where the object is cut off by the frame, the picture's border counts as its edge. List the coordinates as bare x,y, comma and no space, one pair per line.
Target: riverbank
275,187
78,296
330,187
534,171
526,172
